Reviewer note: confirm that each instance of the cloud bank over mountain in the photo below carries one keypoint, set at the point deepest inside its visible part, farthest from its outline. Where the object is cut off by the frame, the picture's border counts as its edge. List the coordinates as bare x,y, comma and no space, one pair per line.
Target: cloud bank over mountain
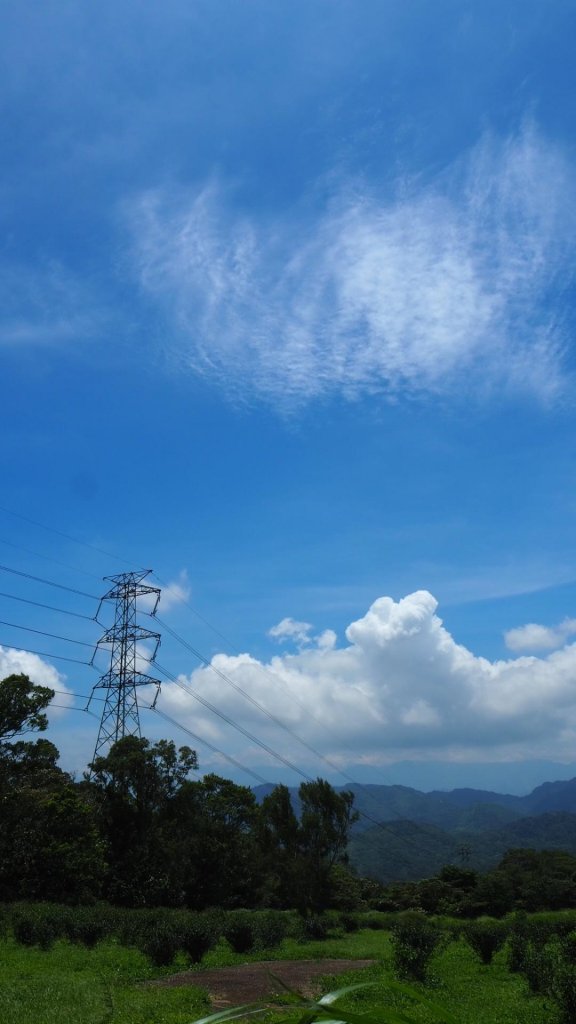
400,688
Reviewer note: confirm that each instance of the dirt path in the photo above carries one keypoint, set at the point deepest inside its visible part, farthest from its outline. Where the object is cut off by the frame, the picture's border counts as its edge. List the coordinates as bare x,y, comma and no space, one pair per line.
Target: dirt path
248,983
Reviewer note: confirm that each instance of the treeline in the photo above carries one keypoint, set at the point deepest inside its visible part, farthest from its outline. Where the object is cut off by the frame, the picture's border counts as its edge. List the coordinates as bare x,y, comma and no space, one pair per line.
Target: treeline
524,880
140,832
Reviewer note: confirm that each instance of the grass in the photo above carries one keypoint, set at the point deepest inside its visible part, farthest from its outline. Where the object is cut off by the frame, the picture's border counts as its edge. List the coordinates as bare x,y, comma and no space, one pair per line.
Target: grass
362,945
472,992
72,985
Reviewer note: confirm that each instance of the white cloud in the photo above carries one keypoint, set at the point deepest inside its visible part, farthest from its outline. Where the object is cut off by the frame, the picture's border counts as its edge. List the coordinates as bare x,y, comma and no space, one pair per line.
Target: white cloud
175,592
290,629
445,287
402,688
533,637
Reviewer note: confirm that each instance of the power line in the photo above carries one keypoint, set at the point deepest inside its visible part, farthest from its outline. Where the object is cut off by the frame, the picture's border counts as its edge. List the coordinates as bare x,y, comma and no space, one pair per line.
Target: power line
235,725
255,703
44,654
60,533
196,653
273,718
70,707
205,743
48,558
50,583
49,607
68,693
182,600
278,757
40,632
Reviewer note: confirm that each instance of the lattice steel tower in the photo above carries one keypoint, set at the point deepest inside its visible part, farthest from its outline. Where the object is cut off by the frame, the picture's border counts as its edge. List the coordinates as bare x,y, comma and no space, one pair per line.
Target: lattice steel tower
120,716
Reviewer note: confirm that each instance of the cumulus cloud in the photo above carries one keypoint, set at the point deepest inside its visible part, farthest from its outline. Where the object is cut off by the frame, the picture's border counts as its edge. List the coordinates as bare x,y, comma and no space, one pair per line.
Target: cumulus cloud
290,629
401,687
300,633
446,285
533,637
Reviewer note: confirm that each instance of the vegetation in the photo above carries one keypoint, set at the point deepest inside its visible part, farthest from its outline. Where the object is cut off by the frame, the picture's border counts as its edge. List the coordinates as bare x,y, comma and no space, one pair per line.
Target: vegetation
139,832
91,985
139,869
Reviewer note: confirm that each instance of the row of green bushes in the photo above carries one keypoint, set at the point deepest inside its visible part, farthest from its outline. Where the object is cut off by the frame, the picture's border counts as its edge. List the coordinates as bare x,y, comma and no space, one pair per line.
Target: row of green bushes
541,947
162,934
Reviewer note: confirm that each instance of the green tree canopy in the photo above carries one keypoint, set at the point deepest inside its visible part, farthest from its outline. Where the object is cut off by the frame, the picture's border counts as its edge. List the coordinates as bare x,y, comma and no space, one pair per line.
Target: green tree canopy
22,706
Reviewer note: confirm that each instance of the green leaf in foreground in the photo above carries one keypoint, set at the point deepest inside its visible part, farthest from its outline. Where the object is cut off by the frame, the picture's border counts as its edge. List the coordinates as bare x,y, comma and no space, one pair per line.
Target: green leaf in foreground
322,1009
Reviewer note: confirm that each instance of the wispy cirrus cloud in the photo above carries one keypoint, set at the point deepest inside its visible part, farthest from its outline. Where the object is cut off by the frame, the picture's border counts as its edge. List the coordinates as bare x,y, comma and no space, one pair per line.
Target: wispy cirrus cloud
453,284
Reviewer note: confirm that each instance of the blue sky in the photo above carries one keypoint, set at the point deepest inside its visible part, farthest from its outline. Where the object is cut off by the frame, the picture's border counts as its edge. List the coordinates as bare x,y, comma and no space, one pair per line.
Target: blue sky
287,316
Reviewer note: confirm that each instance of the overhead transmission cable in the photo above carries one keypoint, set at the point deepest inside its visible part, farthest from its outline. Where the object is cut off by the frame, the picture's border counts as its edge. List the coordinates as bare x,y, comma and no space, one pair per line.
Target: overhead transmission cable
273,718
49,607
206,743
44,654
41,632
61,533
49,583
193,610
382,826
48,558
230,721
252,700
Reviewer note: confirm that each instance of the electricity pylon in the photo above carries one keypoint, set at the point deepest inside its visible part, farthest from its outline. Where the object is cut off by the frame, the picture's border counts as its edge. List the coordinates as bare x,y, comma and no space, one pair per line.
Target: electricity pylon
120,716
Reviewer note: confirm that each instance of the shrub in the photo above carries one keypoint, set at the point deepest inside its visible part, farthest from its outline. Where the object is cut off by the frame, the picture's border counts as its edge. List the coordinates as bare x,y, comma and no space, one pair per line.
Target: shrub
414,941
349,922
240,930
517,940
271,928
86,926
563,991
160,941
539,967
314,928
33,927
568,947
198,934
375,921
485,936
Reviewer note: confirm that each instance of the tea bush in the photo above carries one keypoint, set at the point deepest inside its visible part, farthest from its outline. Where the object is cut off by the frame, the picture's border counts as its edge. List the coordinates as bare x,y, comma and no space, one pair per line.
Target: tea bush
485,937
271,929
415,939
240,930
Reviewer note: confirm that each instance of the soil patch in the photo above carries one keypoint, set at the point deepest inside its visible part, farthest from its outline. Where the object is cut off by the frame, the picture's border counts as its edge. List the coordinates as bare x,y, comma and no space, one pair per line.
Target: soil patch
249,983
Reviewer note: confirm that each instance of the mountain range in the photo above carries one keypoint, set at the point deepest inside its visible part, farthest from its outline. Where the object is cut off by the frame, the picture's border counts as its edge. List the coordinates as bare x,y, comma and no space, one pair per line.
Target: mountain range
404,834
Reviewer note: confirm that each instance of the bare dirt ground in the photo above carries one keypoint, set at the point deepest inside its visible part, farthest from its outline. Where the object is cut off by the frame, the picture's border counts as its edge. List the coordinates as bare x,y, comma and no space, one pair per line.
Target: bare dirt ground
249,983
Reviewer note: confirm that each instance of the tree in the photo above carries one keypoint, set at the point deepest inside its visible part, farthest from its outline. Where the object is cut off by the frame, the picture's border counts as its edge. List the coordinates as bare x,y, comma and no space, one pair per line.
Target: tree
133,786
50,846
325,821
300,855
213,853
22,705
279,842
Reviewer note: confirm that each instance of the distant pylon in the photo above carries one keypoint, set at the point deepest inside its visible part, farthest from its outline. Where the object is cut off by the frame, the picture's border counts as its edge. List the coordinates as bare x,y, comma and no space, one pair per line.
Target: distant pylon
120,716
